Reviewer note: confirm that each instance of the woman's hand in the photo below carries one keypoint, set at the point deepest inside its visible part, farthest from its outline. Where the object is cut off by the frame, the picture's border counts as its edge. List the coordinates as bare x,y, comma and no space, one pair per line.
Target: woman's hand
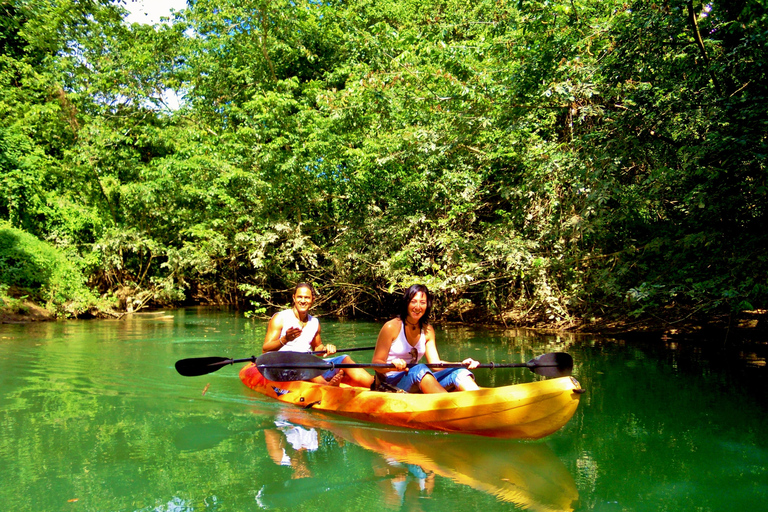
399,364
470,363
330,349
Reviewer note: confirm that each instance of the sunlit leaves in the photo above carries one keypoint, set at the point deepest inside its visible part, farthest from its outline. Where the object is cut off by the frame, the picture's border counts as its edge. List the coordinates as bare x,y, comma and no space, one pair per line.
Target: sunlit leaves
528,156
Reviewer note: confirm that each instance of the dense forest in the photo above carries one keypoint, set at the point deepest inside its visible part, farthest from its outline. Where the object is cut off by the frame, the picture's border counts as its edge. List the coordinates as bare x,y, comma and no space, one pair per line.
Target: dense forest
531,161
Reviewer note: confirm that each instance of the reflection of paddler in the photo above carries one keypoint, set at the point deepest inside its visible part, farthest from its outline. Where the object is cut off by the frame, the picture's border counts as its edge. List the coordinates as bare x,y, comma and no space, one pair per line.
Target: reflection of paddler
298,438
408,483
527,474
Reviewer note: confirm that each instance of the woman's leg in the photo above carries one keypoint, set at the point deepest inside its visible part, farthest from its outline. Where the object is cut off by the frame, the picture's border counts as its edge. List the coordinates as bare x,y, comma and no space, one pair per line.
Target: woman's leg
429,384
420,378
466,383
459,378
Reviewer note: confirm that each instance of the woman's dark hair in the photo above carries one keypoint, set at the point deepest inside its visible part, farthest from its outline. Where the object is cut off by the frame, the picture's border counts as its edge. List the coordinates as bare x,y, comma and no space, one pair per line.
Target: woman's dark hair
407,296
305,285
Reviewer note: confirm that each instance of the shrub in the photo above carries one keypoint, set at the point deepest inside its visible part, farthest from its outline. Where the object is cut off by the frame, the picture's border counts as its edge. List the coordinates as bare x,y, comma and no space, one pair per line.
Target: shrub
42,271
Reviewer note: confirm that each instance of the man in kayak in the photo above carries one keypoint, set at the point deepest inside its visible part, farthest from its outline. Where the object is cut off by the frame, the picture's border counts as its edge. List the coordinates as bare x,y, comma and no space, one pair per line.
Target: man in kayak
409,337
295,330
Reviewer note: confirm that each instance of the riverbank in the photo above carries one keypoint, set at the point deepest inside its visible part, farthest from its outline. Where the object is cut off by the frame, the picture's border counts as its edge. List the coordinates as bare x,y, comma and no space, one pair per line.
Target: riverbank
751,325
746,325
22,311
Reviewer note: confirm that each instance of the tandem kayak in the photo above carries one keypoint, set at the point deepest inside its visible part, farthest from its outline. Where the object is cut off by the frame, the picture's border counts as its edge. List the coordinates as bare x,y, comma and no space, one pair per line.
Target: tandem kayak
522,411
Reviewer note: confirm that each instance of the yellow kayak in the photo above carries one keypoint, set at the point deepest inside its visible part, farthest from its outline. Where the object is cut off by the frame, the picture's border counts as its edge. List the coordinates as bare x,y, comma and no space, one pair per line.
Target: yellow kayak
522,411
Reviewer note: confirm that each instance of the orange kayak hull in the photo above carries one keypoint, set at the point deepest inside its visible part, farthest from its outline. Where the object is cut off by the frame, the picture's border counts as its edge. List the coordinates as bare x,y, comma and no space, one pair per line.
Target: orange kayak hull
522,411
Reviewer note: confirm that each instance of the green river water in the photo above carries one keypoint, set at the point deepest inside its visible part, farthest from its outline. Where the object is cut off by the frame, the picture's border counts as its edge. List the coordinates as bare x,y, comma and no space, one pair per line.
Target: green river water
94,417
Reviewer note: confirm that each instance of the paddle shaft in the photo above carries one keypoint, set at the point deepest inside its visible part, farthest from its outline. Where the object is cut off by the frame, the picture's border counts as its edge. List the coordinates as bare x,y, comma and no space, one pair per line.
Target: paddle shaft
390,366
288,366
253,359
197,366
282,366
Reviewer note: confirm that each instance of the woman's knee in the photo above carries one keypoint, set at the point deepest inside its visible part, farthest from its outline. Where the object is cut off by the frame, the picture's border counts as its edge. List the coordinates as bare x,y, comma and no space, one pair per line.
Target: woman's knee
464,380
418,372
429,384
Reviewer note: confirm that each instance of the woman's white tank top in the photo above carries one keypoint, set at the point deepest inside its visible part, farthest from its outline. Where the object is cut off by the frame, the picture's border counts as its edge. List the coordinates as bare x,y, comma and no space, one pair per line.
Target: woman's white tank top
401,349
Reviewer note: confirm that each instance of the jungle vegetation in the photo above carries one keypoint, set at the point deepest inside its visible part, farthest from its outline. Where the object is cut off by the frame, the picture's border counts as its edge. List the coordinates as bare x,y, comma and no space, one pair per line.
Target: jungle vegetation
529,160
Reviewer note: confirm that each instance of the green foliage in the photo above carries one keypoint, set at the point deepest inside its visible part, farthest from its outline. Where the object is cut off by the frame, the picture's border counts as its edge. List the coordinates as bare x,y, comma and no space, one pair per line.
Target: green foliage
42,271
527,160
9,304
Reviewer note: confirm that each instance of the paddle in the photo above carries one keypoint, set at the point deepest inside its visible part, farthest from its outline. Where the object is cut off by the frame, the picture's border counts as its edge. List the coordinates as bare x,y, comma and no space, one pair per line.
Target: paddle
289,366
196,366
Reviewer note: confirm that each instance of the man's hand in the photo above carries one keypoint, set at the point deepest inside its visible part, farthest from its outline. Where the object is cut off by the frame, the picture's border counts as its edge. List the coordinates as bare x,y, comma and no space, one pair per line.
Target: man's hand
292,333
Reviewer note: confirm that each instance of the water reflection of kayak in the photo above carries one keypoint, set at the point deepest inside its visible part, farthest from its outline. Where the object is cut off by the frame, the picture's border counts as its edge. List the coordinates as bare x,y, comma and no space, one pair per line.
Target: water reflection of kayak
523,411
527,474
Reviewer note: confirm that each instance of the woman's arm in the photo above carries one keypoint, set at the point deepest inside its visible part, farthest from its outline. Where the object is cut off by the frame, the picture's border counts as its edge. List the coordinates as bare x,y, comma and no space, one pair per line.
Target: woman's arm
387,335
431,347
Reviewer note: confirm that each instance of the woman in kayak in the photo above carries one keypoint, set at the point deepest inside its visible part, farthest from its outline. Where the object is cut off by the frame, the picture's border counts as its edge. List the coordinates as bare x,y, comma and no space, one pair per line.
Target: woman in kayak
295,330
406,339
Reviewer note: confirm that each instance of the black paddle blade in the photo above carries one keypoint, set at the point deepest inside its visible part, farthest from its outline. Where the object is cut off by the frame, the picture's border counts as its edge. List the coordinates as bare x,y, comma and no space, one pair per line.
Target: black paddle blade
291,374
554,364
200,365
290,366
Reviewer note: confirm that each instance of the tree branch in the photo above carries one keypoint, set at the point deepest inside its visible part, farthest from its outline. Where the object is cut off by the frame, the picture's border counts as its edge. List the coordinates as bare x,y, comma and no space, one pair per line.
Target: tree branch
700,44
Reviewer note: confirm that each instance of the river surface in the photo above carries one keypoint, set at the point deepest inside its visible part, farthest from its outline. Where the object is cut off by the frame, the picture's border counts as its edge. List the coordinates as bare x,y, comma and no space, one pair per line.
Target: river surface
94,417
